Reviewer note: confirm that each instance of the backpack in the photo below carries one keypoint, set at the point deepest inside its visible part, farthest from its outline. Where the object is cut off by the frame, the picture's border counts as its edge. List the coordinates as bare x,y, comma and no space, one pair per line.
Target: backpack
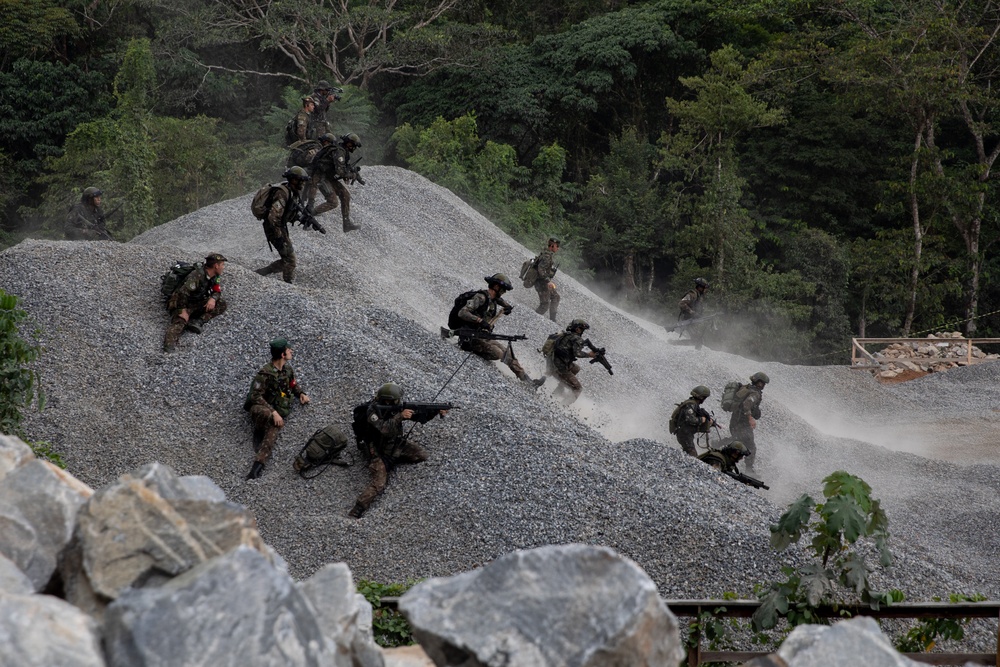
323,448
261,204
454,322
729,395
549,346
302,153
174,277
364,432
290,136
672,427
529,272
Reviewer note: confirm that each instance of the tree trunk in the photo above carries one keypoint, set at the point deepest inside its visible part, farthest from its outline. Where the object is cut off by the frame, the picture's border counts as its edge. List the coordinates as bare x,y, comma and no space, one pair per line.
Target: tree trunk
918,233
628,278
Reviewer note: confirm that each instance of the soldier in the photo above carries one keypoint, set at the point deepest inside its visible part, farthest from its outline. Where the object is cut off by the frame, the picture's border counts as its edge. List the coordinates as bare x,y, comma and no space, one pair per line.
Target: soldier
323,96
689,418
196,300
381,438
302,120
569,347
480,311
330,167
692,305
725,459
746,412
86,219
548,297
270,401
285,209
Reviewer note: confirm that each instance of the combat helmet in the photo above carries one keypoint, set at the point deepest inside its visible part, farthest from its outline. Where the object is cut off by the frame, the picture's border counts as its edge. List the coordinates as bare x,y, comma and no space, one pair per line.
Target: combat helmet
308,99
390,393
500,280
323,85
328,138
296,172
353,138
577,324
701,391
701,282
737,447
91,192
759,377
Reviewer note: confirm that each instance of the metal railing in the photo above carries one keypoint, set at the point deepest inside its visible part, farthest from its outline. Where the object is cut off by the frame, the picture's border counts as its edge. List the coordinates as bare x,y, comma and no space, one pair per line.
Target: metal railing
694,609
861,358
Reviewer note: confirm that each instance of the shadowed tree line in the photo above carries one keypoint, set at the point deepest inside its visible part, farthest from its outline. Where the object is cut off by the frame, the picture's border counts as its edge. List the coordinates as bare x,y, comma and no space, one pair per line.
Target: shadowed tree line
827,166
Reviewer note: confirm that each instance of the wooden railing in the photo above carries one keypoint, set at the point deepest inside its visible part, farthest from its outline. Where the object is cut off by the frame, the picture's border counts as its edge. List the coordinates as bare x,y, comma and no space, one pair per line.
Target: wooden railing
693,609
861,358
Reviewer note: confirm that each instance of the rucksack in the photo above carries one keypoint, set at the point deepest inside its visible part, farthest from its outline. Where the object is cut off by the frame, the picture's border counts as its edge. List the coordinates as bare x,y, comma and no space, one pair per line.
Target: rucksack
549,346
302,153
290,136
529,272
323,448
672,427
729,395
454,322
174,277
261,204
364,432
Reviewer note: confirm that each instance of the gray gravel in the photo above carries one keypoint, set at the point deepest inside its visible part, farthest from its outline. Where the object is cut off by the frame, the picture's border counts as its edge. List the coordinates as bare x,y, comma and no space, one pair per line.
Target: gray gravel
511,469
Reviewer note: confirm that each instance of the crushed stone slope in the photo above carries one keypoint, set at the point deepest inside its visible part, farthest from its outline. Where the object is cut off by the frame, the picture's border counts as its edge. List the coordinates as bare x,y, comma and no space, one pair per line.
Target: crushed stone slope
509,470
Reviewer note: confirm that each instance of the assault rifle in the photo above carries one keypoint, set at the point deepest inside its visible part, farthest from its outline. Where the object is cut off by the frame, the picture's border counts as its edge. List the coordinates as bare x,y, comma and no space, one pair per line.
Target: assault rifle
307,219
749,481
684,324
465,334
423,412
600,358
355,171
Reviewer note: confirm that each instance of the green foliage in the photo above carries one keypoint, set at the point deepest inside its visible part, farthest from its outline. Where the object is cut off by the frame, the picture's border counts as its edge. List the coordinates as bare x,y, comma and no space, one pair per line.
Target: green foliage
848,515
389,627
31,29
44,450
19,383
925,635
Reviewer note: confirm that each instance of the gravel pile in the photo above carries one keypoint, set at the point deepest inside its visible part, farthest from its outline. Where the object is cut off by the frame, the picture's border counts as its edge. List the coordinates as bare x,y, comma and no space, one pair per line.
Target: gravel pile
510,469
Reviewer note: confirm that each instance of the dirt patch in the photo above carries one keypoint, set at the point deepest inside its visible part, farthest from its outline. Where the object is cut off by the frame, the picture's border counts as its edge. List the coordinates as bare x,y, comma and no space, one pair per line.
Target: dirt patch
902,377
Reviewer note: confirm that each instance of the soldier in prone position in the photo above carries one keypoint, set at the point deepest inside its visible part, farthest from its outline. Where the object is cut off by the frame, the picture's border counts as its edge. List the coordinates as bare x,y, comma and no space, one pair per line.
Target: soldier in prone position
196,300
725,459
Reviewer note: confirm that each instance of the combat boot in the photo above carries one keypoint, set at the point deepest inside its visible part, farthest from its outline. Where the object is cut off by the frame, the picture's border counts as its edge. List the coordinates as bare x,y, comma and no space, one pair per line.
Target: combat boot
349,226
194,325
256,470
356,511
538,383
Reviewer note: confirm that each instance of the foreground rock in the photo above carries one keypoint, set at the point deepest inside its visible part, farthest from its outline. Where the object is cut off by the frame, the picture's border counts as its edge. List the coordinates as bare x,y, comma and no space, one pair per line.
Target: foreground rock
345,616
858,641
42,631
567,605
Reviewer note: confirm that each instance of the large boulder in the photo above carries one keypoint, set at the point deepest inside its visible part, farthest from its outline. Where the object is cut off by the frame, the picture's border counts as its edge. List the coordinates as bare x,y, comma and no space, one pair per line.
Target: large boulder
556,606
43,631
344,615
38,509
858,641
12,580
147,527
13,454
231,611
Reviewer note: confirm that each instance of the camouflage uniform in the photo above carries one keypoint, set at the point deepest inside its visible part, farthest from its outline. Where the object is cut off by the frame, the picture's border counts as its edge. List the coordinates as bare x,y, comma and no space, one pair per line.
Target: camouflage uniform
86,222
548,297
689,424
302,119
721,460
568,348
301,153
691,306
388,450
481,307
318,124
746,404
192,295
282,213
272,391
329,169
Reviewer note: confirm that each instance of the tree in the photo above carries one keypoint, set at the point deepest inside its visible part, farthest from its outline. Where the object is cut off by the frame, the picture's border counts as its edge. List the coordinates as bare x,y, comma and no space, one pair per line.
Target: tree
19,384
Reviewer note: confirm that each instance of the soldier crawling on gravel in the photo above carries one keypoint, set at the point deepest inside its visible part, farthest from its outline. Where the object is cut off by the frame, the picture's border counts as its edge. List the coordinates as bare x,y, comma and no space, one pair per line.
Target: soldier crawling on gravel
566,349
196,300
269,402
746,412
725,459
86,220
480,311
548,297
381,440
330,169
689,419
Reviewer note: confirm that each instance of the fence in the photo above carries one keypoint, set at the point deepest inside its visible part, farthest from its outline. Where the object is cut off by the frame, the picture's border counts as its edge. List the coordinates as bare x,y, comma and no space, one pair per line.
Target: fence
693,609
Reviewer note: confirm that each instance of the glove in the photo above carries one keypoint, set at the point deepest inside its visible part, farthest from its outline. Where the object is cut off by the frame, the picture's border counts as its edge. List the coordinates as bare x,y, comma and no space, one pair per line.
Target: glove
508,309
358,178
486,325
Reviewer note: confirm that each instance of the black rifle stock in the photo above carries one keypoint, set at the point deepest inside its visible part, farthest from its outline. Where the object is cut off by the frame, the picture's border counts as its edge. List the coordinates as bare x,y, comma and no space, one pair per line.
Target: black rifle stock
749,481
599,358
466,334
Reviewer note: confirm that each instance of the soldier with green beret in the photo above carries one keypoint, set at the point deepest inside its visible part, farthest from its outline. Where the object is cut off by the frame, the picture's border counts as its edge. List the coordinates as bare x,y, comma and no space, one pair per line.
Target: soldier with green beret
269,402
196,300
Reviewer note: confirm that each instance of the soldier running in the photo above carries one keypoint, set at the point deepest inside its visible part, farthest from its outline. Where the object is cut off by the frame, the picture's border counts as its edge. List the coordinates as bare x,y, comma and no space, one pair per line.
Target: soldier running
548,296
689,419
746,412
569,347
330,169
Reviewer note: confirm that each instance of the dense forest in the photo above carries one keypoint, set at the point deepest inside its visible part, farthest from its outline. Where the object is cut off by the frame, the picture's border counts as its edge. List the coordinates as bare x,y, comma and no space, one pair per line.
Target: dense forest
826,165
